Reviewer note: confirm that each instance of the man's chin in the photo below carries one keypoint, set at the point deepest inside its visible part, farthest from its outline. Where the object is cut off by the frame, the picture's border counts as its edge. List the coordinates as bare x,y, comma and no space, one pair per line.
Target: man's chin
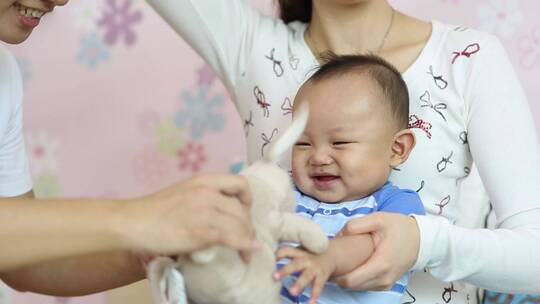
15,38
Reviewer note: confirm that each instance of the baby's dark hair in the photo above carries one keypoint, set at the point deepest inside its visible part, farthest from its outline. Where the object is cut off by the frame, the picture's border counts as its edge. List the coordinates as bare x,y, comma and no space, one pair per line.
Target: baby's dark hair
385,74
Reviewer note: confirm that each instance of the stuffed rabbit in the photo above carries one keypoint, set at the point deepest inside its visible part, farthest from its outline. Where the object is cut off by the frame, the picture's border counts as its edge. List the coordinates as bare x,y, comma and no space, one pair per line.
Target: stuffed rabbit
218,275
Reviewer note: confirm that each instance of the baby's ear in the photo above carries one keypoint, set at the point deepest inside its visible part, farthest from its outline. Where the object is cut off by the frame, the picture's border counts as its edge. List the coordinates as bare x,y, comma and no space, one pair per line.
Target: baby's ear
402,146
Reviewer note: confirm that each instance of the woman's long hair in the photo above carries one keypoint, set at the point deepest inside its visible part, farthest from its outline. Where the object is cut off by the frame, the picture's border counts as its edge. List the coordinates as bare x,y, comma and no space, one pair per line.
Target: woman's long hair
295,10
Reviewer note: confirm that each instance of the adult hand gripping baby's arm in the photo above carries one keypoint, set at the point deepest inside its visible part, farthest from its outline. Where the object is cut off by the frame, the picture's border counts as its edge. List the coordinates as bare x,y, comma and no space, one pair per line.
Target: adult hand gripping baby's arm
396,239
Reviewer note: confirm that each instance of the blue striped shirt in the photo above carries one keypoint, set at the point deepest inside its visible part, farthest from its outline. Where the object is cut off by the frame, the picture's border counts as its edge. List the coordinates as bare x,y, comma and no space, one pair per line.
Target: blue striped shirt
332,218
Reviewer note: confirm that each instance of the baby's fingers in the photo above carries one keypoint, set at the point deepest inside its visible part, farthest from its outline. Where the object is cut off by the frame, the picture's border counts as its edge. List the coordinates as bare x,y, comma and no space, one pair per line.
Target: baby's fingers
292,267
301,283
318,285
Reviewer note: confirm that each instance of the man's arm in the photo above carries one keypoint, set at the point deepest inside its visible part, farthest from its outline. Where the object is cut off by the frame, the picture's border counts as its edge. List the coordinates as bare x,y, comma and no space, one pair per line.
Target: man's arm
77,276
80,246
38,231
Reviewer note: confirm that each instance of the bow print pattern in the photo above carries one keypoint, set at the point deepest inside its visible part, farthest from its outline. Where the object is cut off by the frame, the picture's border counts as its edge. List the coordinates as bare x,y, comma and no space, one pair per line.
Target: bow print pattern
415,122
467,52
261,101
267,140
286,106
426,102
277,66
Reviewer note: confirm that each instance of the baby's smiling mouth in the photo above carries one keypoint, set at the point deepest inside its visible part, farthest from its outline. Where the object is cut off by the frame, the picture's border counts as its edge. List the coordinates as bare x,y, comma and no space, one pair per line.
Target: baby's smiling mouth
325,178
324,181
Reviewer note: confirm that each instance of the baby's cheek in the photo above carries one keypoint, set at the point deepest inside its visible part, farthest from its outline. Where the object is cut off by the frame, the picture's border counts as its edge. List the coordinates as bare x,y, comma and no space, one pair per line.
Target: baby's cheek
297,166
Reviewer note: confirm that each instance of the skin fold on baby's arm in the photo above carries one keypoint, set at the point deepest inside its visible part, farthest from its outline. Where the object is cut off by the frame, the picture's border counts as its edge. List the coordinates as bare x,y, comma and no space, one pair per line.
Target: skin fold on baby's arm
344,254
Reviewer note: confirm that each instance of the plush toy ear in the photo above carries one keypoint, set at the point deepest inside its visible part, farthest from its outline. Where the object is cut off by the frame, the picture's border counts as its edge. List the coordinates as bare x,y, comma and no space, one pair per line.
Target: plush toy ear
287,139
402,146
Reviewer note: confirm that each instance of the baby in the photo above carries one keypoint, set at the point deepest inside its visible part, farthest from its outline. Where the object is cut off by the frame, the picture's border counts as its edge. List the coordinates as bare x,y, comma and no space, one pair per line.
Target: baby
357,133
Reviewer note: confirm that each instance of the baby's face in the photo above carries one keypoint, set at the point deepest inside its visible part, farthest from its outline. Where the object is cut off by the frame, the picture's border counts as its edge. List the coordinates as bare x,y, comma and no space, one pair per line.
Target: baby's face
345,150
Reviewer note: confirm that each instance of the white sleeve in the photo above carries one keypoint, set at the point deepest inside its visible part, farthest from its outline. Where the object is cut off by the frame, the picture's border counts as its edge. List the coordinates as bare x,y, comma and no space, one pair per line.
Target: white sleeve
14,173
222,32
506,150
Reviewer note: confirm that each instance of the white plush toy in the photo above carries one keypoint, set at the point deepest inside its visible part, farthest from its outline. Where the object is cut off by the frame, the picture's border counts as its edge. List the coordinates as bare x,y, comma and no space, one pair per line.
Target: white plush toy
218,275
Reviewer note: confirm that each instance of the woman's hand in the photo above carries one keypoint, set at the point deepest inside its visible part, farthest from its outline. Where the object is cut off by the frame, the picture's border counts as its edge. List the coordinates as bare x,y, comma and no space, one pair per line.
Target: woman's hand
397,241
194,214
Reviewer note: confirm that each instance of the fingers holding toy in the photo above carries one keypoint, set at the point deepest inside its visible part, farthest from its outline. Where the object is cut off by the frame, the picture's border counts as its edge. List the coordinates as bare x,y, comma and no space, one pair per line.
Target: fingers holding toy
191,215
231,185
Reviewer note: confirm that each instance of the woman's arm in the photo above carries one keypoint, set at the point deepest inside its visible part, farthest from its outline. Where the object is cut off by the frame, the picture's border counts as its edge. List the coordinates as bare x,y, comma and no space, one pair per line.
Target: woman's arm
505,148
221,32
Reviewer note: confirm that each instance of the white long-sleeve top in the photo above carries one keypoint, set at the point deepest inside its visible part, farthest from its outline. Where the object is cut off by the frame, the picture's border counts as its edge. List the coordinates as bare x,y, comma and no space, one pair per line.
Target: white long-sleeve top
15,176
466,105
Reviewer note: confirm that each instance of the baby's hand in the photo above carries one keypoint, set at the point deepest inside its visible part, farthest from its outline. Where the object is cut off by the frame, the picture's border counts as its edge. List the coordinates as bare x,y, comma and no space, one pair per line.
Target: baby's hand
315,269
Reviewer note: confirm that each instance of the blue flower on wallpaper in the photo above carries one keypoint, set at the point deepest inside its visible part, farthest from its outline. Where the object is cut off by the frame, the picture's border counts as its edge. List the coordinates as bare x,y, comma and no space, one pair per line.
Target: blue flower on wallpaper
93,50
26,69
237,166
201,112
118,21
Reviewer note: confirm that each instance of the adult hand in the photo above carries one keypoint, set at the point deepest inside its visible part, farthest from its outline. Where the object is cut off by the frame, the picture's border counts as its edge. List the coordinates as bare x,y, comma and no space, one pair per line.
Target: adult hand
194,214
397,241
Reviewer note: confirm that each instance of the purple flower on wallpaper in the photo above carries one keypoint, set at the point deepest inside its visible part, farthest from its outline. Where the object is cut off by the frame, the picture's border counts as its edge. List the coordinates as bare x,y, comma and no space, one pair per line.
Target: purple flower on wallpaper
201,112
119,20
93,50
529,47
206,76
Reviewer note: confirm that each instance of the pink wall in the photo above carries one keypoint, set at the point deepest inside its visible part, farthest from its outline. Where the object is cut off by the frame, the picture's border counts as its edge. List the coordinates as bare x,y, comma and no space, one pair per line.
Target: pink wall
104,117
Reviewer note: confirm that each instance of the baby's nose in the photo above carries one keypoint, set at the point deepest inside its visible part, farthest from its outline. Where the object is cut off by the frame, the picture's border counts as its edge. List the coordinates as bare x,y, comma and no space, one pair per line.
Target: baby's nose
320,157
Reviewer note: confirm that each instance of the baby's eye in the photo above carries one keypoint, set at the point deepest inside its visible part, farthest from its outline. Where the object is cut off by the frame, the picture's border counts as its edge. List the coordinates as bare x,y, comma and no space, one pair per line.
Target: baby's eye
302,144
341,143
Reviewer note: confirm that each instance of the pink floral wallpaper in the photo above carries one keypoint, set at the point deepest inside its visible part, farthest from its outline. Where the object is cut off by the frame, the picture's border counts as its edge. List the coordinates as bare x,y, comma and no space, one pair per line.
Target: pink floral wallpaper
116,105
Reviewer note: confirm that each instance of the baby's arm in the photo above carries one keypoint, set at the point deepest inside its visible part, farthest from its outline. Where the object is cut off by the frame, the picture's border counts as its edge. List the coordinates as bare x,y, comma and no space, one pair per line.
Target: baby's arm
343,255
350,252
